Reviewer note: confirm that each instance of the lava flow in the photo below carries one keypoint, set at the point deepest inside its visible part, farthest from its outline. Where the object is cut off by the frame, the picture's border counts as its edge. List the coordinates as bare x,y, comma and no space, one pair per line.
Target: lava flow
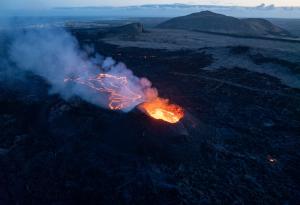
122,96
161,109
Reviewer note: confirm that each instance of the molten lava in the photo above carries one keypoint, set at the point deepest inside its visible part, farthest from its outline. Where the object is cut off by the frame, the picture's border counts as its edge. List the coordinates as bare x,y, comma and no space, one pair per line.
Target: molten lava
161,109
122,96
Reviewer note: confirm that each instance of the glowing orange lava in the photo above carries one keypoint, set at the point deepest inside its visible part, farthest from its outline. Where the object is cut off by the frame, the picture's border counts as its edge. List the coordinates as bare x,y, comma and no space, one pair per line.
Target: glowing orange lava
161,109
121,96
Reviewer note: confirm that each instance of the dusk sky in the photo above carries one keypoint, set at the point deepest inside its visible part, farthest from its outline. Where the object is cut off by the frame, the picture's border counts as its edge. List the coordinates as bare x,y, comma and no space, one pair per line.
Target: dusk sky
39,4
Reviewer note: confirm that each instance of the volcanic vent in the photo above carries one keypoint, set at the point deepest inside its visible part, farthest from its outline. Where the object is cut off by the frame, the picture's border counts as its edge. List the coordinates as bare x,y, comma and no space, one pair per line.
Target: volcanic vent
57,57
125,95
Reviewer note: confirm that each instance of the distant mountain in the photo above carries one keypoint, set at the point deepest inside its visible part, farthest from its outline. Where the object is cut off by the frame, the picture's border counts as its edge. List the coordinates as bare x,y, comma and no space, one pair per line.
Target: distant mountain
212,22
265,27
160,10
173,10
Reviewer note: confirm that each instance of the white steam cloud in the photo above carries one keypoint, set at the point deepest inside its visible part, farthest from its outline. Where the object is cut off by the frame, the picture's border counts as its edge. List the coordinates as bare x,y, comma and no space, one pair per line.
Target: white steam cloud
55,55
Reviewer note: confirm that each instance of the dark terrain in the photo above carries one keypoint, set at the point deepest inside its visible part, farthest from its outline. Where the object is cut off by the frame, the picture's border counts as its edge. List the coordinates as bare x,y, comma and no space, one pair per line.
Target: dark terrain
238,143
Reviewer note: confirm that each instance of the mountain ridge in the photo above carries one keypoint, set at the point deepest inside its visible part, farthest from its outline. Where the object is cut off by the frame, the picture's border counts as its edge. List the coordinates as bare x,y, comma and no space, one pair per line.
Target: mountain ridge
214,22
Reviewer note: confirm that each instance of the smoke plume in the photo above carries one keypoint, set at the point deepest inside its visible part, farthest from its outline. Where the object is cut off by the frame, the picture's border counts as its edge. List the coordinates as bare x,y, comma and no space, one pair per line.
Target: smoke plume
55,55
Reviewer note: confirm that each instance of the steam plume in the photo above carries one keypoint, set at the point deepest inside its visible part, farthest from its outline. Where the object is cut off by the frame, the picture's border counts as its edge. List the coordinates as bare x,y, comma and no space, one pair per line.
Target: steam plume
55,55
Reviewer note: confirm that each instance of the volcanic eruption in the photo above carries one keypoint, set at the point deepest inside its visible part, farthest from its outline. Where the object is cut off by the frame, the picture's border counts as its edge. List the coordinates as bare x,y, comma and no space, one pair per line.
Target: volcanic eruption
121,96
161,109
56,56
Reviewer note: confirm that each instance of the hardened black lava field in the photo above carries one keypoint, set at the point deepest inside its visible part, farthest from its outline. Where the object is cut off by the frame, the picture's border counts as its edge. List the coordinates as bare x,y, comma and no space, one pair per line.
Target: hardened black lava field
237,144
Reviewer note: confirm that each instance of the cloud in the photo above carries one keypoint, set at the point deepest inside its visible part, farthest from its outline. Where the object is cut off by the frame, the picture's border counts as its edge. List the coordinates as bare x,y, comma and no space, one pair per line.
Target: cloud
23,4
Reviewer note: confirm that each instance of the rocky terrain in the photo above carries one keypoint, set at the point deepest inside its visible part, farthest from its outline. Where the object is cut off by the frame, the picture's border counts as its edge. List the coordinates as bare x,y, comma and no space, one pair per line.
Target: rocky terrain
238,143
128,29
212,22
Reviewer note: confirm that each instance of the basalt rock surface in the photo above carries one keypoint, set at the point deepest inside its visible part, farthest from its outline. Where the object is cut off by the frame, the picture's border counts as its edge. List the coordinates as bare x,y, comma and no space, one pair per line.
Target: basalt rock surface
238,143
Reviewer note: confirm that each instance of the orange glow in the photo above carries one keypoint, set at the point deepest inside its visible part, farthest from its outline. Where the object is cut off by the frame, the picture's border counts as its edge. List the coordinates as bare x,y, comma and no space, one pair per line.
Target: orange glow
161,109
120,95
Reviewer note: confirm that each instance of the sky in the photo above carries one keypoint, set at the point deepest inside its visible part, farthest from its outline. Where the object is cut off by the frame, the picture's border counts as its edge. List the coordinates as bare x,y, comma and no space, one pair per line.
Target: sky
41,4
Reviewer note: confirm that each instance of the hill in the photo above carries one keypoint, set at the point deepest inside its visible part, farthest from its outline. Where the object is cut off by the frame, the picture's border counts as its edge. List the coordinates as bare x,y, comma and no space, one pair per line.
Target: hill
212,22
